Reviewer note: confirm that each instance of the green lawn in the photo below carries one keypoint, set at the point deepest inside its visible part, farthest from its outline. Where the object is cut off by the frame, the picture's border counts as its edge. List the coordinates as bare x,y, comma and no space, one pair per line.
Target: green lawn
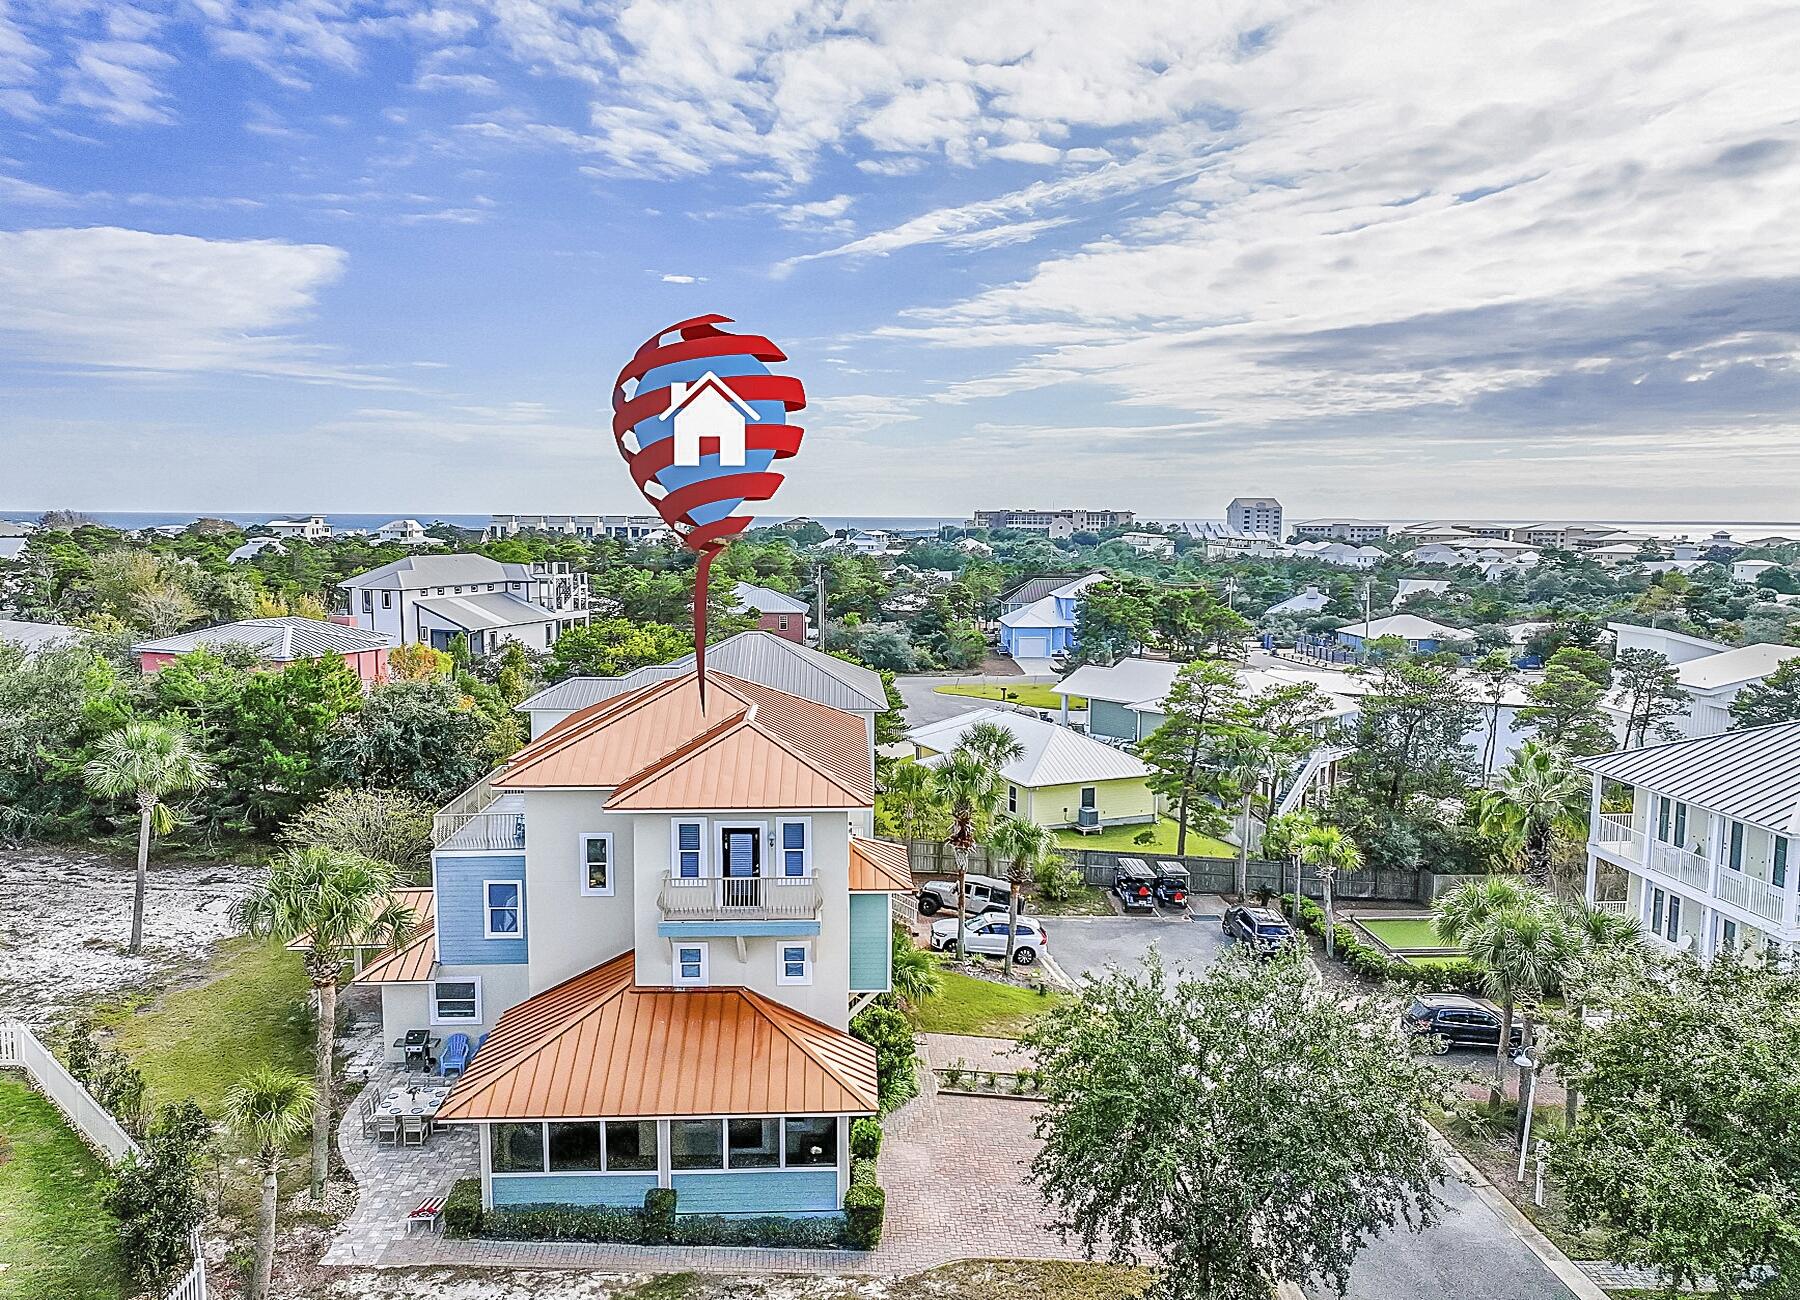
1085,901
1123,839
1026,693
252,1009
1405,933
977,1006
55,1236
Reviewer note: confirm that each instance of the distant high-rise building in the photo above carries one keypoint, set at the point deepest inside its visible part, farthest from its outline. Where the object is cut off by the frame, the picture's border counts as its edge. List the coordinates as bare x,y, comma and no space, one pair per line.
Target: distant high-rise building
1255,515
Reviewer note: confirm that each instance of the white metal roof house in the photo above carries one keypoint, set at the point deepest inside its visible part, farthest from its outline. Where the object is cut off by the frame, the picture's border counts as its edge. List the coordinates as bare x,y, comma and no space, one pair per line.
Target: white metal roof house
1750,570
431,599
1706,849
1062,779
253,548
1310,601
35,636
405,532
310,528
1711,683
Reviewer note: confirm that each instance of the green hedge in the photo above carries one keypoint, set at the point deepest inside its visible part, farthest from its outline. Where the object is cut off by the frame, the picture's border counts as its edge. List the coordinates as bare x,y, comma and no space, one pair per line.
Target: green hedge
865,1138
865,1205
1364,959
462,1209
654,1225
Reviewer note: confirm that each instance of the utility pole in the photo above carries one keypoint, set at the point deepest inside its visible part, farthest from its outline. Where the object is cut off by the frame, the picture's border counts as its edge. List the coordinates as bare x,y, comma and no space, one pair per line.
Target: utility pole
819,591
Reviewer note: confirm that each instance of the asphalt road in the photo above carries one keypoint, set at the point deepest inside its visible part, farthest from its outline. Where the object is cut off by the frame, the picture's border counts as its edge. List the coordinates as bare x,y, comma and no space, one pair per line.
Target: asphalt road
1080,944
924,704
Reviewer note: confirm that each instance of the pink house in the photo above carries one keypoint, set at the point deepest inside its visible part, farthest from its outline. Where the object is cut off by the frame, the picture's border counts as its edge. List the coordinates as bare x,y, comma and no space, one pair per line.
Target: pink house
279,641
775,611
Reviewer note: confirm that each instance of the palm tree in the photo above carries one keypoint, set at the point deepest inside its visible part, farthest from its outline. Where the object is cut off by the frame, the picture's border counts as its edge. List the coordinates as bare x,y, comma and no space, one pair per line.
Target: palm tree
268,1109
146,760
1539,794
1021,845
968,787
992,743
1244,758
1284,837
916,976
1331,851
332,902
1468,907
1525,950
912,796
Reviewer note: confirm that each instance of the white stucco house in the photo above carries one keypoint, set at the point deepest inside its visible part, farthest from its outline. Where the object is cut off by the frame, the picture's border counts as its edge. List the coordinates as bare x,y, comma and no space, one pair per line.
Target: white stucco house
432,599
311,528
405,532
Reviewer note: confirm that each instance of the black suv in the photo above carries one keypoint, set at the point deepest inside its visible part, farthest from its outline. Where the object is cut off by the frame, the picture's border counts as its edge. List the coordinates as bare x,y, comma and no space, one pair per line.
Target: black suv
1135,884
1262,928
1452,1020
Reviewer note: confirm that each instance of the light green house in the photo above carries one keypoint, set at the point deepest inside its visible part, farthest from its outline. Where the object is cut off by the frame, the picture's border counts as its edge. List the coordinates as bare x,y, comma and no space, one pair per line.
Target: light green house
1063,778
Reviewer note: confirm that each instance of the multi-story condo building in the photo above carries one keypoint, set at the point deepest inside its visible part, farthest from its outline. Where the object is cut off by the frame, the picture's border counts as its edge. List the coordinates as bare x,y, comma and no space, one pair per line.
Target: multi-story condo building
1341,530
625,528
1695,839
655,923
432,599
1256,515
1053,523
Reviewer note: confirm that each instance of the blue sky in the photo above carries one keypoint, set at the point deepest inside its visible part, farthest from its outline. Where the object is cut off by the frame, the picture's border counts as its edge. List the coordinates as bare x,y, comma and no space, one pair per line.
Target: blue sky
1376,258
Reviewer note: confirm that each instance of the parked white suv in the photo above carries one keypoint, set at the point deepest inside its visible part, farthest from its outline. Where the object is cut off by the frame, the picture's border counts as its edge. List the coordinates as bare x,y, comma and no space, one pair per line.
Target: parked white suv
984,894
987,936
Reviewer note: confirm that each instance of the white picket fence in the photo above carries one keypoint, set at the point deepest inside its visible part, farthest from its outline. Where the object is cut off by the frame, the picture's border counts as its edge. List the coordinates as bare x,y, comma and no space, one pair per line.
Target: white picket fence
20,1050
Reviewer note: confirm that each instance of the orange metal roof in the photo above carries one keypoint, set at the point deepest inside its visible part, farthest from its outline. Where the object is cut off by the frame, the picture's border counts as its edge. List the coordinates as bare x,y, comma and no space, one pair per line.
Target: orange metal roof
879,867
413,960
754,747
599,1047
421,902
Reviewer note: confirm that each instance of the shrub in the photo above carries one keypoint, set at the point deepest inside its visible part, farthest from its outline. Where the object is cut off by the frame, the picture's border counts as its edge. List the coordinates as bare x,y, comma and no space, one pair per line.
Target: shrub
1144,837
156,1199
462,1209
862,1171
821,1233
1056,880
1366,960
891,1035
659,1214
567,1223
865,1138
865,1204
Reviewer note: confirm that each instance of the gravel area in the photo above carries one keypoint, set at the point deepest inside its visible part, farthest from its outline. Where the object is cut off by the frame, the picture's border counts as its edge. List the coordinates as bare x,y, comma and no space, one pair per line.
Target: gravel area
65,920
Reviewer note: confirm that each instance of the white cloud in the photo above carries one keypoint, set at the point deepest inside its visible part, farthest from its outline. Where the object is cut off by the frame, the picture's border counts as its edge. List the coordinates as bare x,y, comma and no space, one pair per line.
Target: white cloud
130,300
683,279
117,79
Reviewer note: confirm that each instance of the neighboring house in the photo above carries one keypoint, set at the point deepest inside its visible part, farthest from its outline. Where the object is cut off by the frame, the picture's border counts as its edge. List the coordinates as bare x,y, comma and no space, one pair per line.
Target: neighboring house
1149,543
11,548
1224,539
1262,515
1707,850
775,611
868,541
312,528
36,636
1711,683
253,548
405,532
1676,647
1042,626
1310,601
658,921
626,528
1063,777
432,599
757,656
1616,553
279,641
1750,570
1422,636
1342,554
1343,530
1420,587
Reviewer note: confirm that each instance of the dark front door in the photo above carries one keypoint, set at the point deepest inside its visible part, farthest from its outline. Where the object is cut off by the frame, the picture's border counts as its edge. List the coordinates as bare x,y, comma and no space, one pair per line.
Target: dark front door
742,851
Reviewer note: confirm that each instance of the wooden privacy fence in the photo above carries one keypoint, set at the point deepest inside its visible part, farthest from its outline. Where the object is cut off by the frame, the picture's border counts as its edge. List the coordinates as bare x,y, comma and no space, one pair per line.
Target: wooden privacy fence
21,1050
1206,875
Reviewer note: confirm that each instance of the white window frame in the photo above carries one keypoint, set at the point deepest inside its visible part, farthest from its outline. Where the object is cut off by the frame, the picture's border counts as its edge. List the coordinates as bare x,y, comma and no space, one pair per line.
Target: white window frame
436,1019
487,910
781,848
1012,798
675,844
781,622
705,979
781,962
581,865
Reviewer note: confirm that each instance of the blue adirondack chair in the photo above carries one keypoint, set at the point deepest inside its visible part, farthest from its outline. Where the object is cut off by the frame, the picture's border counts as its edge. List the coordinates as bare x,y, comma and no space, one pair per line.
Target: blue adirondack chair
456,1055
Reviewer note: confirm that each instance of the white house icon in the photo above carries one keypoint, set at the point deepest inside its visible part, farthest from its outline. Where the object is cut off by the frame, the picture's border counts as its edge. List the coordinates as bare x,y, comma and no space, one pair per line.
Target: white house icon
707,410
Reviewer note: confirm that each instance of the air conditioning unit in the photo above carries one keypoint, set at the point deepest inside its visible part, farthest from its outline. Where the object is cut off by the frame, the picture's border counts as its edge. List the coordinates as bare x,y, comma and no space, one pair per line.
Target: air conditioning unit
1087,819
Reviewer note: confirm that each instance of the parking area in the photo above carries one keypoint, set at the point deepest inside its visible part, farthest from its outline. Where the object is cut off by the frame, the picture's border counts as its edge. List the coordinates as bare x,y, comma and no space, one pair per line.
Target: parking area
1083,944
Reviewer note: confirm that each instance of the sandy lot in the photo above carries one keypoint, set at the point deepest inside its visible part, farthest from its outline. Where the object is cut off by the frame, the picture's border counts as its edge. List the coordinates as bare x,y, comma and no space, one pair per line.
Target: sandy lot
65,918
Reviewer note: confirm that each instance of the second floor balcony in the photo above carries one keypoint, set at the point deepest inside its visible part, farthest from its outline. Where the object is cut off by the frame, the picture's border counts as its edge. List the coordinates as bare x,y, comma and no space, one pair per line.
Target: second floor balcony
739,898
480,819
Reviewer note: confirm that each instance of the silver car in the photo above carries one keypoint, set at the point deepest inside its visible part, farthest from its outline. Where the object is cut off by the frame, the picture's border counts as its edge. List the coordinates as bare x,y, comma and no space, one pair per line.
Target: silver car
987,936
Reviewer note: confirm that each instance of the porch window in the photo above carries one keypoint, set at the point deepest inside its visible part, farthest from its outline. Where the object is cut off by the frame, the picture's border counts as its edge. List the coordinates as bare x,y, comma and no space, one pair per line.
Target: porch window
796,850
456,1001
1674,931
812,1141
753,1143
690,963
368,602
596,864
574,1148
504,915
696,1144
387,600
518,1148
1729,933
1656,911
690,848
1680,824
1734,854
1778,867
630,1145
795,963
1662,818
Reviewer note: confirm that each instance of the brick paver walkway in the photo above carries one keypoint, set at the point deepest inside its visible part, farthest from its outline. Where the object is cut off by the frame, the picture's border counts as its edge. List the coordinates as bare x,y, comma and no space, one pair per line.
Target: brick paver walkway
952,1167
974,1052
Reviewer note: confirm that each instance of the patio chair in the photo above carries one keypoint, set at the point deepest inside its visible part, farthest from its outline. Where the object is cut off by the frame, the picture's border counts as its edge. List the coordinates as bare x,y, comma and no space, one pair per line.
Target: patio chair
456,1055
479,1044
429,1212
366,1113
387,1129
413,1130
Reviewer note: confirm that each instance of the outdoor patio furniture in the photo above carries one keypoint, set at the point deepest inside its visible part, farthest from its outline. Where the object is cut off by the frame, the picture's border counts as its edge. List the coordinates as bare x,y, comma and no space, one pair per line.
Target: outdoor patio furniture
387,1129
456,1055
366,1113
430,1213
413,1130
478,1045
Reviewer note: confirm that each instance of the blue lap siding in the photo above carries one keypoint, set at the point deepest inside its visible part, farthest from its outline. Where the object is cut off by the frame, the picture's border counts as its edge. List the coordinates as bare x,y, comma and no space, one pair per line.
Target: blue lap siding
871,943
573,1189
462,909
783,1191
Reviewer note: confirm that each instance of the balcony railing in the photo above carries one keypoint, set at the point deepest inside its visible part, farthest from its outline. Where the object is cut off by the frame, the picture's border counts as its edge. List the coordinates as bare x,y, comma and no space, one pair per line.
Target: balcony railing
749,898
480,819
1689,868
1615,833
1751,895
1617,906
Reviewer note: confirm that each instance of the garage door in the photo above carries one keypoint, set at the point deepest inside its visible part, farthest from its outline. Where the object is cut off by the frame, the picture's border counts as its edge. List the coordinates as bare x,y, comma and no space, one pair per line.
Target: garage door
1031,646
